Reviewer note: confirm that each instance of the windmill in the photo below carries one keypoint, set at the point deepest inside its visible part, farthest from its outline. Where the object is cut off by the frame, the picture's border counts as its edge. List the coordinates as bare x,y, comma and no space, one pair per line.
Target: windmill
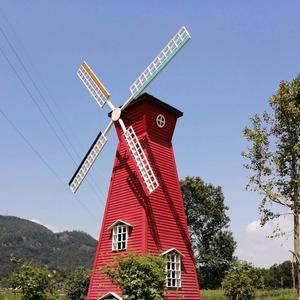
137,181
101,95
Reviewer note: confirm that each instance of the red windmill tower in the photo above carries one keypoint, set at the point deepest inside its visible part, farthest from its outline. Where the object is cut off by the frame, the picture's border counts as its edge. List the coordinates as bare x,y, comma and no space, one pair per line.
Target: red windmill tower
144,210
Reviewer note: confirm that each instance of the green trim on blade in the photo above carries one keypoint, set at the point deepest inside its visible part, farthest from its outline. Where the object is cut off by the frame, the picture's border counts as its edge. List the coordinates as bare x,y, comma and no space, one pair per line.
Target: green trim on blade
135,95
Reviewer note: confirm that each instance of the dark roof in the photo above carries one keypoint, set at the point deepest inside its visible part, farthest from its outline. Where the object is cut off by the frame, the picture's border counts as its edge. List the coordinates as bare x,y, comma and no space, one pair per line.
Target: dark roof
148,97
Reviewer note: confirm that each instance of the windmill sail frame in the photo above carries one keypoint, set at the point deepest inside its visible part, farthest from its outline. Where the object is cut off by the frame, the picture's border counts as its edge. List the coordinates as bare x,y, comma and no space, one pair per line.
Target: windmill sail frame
101,95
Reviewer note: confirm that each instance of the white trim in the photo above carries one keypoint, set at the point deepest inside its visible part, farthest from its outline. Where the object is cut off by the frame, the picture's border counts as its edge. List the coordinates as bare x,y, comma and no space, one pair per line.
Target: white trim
141,160
160,61
111,294
160,120
94,85
118,222
119,242
173,269
172,250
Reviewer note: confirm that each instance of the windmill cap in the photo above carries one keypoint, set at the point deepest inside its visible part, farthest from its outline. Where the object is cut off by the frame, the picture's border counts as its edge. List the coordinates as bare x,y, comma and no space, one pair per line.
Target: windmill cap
148,97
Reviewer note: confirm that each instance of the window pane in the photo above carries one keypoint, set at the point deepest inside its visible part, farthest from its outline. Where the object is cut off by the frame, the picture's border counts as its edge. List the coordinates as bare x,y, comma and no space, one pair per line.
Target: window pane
173,269
119,237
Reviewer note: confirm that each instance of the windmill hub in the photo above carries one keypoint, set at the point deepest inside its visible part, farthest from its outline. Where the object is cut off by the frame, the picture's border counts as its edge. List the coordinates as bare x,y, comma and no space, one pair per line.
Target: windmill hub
116,114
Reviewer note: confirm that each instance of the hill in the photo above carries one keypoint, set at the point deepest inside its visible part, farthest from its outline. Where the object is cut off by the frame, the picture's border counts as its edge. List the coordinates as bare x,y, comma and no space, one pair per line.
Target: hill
31,241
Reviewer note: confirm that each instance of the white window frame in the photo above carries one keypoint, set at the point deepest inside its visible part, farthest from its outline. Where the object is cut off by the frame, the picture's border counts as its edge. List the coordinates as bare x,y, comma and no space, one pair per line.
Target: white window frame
119,237
111,295
160,120
173,269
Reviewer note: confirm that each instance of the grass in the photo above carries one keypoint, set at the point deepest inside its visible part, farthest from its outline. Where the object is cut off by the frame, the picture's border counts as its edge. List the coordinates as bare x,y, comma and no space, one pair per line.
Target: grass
212,295
281,294
7,295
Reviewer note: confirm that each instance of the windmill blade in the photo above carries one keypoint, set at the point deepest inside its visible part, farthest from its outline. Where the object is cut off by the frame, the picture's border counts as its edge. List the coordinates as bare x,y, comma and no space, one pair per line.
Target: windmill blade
89,159
160,61
93,84
141,160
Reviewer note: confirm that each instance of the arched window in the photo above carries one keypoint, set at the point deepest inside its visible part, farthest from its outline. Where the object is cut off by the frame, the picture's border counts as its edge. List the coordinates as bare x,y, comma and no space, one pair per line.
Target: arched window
120,230
173,268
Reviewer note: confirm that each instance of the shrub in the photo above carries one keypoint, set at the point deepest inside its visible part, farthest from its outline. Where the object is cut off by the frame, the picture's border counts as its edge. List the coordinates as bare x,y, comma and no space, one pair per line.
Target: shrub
77,283
239,282
139,277
34,282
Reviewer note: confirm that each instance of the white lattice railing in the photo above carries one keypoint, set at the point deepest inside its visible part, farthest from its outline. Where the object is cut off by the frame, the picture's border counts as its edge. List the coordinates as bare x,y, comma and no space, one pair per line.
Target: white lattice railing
141,160
87,162
160,61
93,84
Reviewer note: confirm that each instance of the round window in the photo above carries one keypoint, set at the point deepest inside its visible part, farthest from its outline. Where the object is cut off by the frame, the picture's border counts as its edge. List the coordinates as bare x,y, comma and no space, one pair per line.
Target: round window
160,121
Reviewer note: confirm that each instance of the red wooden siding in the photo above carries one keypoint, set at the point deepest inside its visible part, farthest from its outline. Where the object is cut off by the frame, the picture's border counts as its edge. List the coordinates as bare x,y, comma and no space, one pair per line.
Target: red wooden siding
158,221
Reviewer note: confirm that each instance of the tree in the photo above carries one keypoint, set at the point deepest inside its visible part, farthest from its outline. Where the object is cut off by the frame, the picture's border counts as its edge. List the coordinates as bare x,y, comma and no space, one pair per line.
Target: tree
34,282
278,276
212,242
139,277
239,282
77,283
274,159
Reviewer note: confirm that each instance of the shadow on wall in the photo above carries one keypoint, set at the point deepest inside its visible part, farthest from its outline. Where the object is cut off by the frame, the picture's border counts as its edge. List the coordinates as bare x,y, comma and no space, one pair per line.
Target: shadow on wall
167,196
137,188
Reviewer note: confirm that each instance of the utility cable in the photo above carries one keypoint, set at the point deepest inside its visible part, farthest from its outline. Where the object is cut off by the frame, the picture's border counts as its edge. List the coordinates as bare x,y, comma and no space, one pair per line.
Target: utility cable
35,102
36,152
39,108
49,109
32,65
38,90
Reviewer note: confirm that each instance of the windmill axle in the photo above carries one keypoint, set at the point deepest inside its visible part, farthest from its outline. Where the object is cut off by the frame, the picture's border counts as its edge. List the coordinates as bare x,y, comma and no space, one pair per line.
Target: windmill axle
116,114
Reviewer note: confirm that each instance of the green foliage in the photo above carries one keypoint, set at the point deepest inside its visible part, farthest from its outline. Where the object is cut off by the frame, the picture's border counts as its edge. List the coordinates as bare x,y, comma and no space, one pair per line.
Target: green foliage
34,282
212,242
9,295
139,277
274,151
277,276
280,294
77,283
29,240
274,158
239,282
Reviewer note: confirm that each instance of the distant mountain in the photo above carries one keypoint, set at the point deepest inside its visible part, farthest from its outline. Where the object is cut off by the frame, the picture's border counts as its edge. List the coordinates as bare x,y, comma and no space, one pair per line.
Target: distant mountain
31,241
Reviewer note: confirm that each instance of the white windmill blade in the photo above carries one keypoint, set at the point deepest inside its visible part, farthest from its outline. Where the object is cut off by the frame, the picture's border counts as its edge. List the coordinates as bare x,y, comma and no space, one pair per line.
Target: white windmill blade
141,160
93,84
157,65
89,158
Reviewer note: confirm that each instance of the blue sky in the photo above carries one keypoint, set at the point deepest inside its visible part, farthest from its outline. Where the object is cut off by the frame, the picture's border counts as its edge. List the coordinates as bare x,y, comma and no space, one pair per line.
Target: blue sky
239,52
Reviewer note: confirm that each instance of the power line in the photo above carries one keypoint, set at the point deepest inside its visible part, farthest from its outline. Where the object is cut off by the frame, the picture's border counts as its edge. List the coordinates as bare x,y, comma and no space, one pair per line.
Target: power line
51,112
32,65
39,109
38,90
35,102
36,152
